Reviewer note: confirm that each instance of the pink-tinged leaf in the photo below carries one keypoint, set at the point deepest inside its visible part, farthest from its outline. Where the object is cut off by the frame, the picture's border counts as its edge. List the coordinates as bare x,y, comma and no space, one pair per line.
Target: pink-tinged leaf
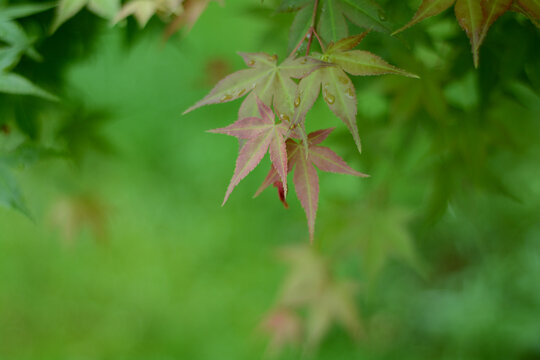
257,60
231,87
319,136
278,155
265,112
246,128
300,67
359,62
249,157
327,160
428,8
340,96
306,185
347,43
531,7
470,18
292,148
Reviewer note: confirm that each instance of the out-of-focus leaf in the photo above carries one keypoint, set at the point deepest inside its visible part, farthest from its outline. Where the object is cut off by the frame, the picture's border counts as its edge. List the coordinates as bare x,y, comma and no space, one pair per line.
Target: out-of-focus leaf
27,154
310,286
68,8
143,10
10,194
16,84
72,214
284,327
23,10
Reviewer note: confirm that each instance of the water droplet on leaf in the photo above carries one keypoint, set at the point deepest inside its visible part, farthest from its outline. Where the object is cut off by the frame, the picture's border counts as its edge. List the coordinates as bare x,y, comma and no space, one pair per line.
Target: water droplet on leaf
297,101
329,98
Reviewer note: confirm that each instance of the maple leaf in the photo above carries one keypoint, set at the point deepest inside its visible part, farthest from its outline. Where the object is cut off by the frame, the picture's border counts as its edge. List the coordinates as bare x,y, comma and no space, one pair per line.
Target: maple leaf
338,90
475,16
272,83
143,10
68,8
332,15
263,135
310,285
306,181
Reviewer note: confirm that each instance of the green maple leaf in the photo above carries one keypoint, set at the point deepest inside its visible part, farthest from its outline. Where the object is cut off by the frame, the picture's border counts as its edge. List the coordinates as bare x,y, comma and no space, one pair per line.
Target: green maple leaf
475,16
332,14
337,89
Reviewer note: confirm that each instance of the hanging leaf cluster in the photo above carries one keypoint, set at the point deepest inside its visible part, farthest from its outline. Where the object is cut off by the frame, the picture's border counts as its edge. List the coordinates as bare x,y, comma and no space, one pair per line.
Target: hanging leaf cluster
281,131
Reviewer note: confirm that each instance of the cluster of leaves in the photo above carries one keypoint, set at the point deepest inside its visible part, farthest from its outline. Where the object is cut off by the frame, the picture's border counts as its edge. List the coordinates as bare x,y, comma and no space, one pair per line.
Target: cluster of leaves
267,84
476,16
310,286
178,12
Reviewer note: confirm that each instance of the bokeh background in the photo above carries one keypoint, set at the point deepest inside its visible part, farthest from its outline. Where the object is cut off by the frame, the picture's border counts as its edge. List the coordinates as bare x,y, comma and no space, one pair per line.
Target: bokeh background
122,251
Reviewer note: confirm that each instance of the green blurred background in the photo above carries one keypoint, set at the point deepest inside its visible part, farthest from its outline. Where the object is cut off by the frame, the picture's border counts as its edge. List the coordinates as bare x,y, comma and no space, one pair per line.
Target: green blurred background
128,254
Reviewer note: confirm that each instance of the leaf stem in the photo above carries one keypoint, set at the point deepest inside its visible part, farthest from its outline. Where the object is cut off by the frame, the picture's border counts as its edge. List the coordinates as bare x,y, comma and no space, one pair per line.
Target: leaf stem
309,33
311,30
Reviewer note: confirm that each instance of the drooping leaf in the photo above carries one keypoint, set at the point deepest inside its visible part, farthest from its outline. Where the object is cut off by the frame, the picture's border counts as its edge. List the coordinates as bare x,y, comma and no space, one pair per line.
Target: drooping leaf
306,181
427,9
306,186
340,96
364,63
263,135
16,84
337,89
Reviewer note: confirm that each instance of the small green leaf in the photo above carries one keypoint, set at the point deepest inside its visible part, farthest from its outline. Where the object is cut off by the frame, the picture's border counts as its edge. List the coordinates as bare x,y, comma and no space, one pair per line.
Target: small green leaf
470,17
10,194
332,25
16,84
20,11
363,63
299,27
